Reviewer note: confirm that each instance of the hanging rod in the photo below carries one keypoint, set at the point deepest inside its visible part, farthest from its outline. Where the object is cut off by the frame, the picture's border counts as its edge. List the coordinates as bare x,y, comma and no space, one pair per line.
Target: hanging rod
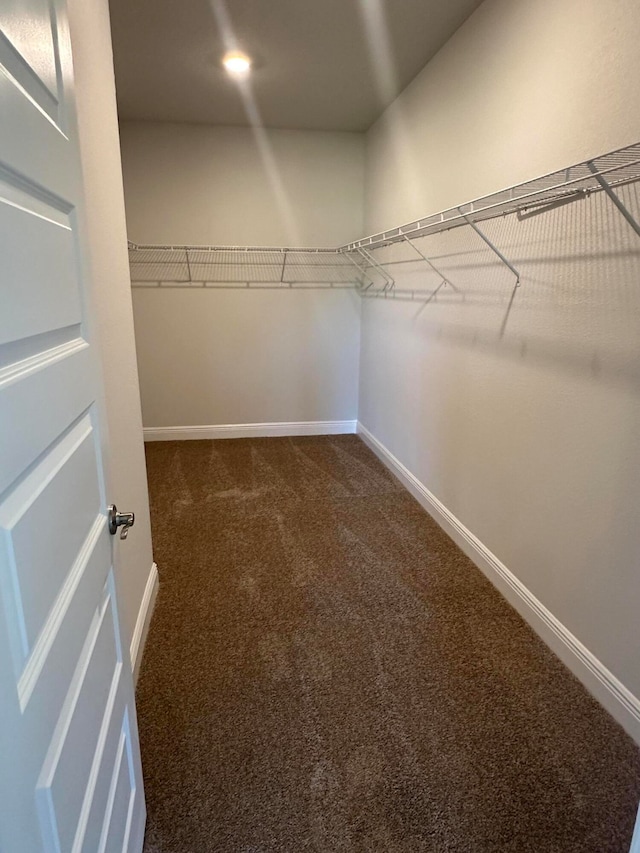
177,247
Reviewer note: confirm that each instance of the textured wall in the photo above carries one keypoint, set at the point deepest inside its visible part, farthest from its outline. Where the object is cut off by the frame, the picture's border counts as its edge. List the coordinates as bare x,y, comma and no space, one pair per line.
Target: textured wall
230,186
229,357
522,420
523,88
241,357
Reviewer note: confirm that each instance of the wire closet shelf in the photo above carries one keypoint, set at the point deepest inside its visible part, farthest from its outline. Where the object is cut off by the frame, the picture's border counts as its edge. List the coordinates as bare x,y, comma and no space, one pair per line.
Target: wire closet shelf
355,264
241,266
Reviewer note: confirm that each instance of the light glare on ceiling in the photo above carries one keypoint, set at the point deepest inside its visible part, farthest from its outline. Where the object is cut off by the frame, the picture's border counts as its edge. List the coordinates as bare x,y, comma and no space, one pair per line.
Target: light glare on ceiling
237,63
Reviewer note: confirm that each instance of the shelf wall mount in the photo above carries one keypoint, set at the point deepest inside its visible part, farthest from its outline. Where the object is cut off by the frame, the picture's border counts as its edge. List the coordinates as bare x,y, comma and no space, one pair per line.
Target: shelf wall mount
606,186
493,247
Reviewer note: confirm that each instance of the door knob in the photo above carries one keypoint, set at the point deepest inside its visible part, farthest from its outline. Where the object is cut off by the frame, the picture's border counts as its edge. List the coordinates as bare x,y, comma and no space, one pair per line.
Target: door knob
125,520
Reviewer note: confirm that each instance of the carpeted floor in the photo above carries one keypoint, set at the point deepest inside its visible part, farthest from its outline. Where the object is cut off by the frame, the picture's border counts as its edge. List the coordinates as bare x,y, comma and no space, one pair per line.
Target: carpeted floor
326,671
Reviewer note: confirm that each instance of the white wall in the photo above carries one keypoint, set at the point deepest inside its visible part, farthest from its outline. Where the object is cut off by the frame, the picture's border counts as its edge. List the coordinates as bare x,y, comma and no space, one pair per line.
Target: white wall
244,357
529,435
210,357
523,88
106,232
230,186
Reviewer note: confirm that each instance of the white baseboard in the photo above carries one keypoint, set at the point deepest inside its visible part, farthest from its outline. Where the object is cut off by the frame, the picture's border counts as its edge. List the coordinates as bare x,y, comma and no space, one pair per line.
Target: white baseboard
184,433
608,690
635,841
142,622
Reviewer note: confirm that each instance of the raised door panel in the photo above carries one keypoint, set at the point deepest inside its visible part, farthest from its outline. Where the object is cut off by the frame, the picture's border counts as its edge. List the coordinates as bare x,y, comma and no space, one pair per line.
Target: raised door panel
41,538
117,738
40,397
30,50
67,783
39,285
117,825
33,77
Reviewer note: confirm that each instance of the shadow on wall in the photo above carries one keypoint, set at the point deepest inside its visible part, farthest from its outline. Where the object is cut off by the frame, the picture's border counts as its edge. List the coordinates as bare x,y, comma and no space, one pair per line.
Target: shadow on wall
519,409
578,303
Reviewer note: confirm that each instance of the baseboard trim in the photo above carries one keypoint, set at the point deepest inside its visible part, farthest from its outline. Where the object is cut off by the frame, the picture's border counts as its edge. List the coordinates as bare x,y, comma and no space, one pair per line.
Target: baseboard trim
287,428
607,689
142,622
635,841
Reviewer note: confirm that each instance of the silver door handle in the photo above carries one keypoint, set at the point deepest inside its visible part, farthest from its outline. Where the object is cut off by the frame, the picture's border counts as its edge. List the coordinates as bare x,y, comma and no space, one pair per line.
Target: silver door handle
125,520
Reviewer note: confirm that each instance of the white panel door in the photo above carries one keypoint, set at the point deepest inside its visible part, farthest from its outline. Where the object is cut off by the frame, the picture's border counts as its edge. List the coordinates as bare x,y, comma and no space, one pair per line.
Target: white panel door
70,775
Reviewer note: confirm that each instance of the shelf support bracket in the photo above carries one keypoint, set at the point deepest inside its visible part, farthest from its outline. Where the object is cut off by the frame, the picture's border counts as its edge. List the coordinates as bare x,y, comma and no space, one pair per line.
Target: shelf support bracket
491,246
284,263
591,166
389,281
445,280
360,270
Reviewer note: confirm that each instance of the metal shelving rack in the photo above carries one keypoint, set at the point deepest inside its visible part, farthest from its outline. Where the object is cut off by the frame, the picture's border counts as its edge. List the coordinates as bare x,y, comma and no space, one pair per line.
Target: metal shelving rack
601,174
354,264
243,266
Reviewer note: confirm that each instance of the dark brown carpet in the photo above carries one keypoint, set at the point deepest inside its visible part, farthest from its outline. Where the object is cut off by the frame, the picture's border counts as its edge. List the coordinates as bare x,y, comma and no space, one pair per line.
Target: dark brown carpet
326,671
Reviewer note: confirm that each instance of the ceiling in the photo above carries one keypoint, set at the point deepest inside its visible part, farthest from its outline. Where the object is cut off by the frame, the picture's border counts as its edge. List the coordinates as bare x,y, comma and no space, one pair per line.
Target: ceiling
318,64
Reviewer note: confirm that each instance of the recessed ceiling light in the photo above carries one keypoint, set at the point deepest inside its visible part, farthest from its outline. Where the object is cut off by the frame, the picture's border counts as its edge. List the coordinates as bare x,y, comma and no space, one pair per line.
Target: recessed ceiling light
237,63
